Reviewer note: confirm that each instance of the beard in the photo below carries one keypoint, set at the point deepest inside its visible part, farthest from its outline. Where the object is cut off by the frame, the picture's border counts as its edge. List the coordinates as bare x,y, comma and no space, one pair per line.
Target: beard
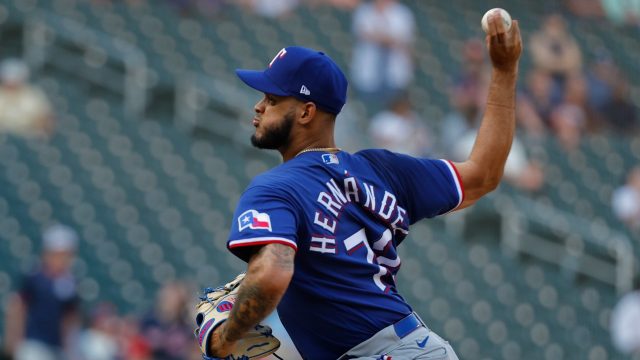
275,137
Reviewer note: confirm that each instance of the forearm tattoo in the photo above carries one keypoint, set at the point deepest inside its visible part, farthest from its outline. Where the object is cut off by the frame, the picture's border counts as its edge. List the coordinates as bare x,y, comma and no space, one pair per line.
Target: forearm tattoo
251,306
255,302
282,256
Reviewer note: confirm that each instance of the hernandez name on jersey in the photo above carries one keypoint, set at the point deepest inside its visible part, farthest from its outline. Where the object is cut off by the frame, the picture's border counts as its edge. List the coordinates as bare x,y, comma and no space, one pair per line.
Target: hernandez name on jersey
344,214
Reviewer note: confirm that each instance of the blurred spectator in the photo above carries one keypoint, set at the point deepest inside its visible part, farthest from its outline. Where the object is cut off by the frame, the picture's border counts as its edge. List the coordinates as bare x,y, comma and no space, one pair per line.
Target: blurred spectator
271,8
602,77
568,123
169,329
467,95
24,109
625,318
528,119
42,317
133,345
473,83
555,50
400,129
622,11
99,341
619,12
382,64
519,171
626,200
585,8
458,123
608,93
619,113
576,94
542,93
465,117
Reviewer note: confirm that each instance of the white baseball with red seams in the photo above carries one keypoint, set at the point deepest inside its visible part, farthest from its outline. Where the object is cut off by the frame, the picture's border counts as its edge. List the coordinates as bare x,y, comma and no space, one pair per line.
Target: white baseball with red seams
506,18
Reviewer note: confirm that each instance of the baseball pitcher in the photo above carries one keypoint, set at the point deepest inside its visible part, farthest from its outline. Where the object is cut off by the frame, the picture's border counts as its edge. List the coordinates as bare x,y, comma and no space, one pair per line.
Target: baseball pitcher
320,232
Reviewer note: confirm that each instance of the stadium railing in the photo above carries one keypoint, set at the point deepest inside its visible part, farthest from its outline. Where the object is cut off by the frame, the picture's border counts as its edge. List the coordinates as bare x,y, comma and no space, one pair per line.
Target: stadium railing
547,233
61,42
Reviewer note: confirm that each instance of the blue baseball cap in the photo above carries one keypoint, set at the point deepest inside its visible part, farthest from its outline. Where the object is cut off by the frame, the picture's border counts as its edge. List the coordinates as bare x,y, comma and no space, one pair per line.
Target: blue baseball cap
305,74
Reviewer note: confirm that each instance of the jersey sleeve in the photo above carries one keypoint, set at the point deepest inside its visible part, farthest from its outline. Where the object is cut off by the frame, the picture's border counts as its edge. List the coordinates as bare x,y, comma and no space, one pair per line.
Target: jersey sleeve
427,187
263,216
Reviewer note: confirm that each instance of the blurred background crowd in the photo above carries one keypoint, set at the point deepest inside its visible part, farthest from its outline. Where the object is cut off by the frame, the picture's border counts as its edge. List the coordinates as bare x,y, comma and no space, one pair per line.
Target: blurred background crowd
147,194
45,320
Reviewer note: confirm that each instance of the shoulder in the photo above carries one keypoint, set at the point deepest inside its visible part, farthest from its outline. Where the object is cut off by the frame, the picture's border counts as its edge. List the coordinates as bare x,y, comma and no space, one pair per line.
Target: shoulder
381,161
283,175
376,155
34,273
369,152
399,165
32,278
279,183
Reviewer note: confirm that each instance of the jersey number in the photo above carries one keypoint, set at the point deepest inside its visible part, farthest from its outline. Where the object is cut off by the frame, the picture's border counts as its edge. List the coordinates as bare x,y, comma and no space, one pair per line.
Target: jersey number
358,240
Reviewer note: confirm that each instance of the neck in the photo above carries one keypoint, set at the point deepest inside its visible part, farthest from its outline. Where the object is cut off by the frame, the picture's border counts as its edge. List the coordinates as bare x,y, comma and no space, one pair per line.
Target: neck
292,151
317,134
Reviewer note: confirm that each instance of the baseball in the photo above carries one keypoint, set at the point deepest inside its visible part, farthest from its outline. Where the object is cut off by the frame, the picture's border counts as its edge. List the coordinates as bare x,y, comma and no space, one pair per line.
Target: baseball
506,18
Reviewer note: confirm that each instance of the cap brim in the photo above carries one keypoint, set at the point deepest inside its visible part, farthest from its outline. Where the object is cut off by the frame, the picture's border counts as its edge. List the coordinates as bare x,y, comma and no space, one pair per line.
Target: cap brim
259,81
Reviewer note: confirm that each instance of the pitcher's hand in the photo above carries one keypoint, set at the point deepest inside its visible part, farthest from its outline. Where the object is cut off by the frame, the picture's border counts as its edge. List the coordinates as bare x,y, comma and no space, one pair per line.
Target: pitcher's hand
504,46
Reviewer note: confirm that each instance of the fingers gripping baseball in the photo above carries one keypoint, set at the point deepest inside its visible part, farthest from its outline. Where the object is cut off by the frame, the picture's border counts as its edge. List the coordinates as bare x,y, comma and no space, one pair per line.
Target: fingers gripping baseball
505,46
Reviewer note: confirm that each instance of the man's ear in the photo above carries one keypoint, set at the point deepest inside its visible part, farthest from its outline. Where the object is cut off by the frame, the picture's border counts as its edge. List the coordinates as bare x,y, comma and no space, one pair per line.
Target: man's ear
308,113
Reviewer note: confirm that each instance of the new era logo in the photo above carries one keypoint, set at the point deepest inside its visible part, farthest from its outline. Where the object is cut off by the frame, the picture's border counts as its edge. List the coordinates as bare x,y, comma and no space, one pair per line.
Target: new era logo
305,91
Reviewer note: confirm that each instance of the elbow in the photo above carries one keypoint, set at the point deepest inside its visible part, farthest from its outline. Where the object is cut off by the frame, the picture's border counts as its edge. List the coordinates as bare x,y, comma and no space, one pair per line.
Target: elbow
492,181
479,188
488,182
478,180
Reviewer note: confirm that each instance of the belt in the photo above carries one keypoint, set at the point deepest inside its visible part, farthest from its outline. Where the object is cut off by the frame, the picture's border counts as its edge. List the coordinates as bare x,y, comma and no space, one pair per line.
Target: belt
402,328
407,325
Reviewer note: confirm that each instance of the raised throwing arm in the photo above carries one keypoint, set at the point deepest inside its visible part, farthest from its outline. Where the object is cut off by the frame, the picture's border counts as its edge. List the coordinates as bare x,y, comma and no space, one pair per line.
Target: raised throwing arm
481,173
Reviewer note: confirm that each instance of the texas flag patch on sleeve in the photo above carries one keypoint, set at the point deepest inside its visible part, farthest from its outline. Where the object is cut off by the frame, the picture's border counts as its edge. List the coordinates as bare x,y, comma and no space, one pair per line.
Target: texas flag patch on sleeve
255,220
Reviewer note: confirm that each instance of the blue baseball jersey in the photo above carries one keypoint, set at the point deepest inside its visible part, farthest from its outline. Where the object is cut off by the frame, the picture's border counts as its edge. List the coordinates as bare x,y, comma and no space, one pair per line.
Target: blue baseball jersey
344,214
48,301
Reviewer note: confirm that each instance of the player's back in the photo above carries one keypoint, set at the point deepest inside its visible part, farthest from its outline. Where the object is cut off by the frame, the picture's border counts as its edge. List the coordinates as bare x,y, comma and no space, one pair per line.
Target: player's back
345,215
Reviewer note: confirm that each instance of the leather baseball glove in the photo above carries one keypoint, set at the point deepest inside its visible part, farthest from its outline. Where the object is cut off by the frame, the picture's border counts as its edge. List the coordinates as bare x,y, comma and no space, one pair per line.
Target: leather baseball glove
214,308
